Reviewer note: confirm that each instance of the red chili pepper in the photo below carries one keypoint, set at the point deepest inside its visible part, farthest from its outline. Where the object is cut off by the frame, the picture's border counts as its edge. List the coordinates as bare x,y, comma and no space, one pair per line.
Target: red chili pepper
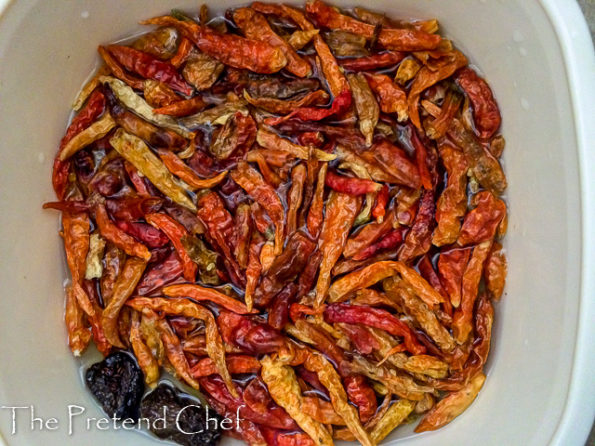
137,181
350,185
363,341
231,49
251,334
275,417
236,364
314,139
67,206
160,275
150,67
419,238
362,395
374,317
486,114
144,233
182,53
373,62
279,311
118,237
389,241
340,104
421,156
132,208
277,438
183,108
91,111
175,232
380,207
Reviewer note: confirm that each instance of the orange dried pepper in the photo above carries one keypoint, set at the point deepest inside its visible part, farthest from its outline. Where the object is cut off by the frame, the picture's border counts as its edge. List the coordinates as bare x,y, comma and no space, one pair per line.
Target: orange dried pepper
481,223
393,98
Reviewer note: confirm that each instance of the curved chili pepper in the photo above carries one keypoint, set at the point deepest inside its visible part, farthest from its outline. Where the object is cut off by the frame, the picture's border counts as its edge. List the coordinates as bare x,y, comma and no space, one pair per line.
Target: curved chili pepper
419,238
150,67
380,207
201,293
485,109
160,274
373,62
362,395
183,108
393,98
232,50
184,48
111,232
374,317
175,232
351,185
390,241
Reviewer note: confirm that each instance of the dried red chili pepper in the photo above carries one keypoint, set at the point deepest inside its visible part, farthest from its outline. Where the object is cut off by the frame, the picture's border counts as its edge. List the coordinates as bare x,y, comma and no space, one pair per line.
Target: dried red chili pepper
179,168
200,293
393,39
495,271
368,235
184,48
235,364
183,108
419,238
160,274
463,316
340,104
485,109
175,232
374,317
149,67
295,196
341,211
390,241
252,182
351,185
255,26
481,223
315,213
394,161
393,98
144,233
451,266
253,335
279,311
379,209
111,232
118,70
452,204
232,50
373,62
94,107
361,395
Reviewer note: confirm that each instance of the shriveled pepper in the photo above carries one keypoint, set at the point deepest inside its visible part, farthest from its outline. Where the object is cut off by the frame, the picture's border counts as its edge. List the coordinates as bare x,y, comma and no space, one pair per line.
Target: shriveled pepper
158,94
374,317
78,335
495,271
315,213
118,70
372,62
201,293
255,26
252,182
137,153
395,163
232,50
284,107
182,108
451,266
419,238
145,358
393,39
175,232
114,234
452,204
390,241
179,168
486,114
185,307
149,67
236,364
341,211
160,274
144,233
123,289
481,223
462,322
350,185
252,334
295,197
393,98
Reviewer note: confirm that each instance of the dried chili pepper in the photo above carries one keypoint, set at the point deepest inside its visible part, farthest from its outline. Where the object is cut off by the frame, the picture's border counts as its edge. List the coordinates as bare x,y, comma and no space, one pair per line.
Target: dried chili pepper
419,238
481,223
380,207
255,26
201,293
149,67
390,241
146,234
452,203
236,364
232,50
341,211
179,168
374,317
372,62
123,289
315,213
251,334
182,53
158,94
393,99
349,185
175,232
251,181
451,266
118,70
393,39
182,108
395,163
295,197
78,335
122,240
160,274
495,271
485,109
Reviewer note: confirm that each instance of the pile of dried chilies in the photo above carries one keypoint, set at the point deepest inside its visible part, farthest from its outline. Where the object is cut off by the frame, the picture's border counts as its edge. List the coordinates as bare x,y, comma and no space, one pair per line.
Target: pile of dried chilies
296,211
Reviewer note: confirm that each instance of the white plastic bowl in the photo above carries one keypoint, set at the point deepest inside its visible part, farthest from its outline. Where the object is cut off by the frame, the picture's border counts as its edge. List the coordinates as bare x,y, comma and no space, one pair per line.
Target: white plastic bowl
538,57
